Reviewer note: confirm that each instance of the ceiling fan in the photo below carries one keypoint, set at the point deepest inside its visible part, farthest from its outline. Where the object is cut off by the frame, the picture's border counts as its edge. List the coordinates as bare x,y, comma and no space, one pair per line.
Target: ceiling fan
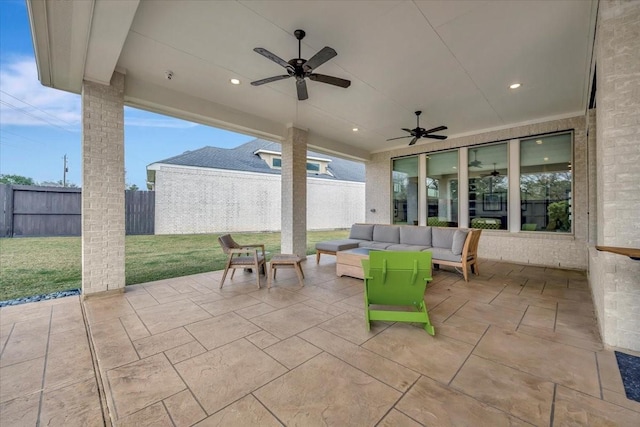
301,68
494,173
475,163
419,132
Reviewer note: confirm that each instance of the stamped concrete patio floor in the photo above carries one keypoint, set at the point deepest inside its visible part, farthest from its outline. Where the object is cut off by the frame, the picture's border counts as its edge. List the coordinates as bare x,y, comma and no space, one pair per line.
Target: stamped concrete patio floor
515,346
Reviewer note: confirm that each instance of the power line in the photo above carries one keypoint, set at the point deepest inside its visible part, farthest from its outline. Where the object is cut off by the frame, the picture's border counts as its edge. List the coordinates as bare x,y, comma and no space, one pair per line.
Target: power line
21,110
39,109
5,144
23,137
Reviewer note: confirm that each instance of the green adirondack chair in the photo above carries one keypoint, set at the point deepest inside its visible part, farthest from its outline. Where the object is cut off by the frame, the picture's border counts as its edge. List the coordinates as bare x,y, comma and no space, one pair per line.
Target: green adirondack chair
397,280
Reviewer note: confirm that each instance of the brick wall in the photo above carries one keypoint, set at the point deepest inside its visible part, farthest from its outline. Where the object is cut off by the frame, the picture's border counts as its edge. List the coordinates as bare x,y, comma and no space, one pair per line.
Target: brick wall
198,200
546,249
615,279
334,204
294,193
103,214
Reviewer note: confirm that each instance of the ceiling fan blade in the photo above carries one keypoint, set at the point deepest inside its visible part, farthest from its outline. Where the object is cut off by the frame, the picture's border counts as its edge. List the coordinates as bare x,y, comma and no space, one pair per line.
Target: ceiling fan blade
438,129
413,141
275,58
301,86
325,54
400,137
330,80
411,131
269,80
435,136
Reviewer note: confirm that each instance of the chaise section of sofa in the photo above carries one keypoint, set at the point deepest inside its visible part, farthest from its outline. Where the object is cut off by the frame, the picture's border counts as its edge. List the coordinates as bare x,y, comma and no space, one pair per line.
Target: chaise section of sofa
360,233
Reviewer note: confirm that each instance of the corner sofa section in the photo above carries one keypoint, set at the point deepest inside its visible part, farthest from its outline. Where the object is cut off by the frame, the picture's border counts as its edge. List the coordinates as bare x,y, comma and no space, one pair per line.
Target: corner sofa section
449,246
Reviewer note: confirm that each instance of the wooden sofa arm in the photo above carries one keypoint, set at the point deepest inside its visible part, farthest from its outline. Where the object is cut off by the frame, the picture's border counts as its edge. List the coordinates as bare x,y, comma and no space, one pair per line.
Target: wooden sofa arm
469,256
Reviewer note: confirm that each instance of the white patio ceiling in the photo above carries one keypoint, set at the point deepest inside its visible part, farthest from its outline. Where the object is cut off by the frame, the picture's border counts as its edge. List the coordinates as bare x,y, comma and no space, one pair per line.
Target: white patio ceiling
454,60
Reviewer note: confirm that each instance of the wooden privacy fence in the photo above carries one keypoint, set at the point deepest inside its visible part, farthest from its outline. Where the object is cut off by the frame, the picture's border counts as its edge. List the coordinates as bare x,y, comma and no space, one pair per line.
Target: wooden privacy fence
56,211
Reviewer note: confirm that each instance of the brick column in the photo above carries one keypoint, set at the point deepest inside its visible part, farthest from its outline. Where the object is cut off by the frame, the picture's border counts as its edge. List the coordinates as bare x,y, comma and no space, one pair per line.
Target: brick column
103,214
294,193
614,278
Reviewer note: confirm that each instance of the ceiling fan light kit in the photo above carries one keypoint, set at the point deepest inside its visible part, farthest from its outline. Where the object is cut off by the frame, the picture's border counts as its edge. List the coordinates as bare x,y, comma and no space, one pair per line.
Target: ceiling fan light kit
301,68
419,132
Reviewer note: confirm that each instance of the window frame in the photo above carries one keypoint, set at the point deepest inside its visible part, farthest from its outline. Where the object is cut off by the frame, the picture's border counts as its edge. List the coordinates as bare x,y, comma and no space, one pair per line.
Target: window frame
513,176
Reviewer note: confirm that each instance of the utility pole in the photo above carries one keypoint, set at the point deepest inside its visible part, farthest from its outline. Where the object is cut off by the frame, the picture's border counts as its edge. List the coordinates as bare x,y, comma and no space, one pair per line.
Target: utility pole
64,172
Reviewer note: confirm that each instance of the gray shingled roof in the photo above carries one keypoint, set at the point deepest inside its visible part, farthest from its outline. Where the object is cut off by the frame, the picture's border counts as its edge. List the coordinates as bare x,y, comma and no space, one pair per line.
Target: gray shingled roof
242,158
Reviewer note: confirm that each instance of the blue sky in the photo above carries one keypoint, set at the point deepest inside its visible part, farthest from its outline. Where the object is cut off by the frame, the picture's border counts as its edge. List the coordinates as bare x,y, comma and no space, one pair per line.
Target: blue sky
39,125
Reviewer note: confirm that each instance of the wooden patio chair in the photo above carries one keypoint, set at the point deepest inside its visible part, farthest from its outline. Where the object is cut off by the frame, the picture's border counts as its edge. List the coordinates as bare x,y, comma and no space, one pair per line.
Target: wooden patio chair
396,282
242,256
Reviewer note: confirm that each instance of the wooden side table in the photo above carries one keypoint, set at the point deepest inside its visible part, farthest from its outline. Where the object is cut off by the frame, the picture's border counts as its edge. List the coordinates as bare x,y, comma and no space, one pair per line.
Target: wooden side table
288,261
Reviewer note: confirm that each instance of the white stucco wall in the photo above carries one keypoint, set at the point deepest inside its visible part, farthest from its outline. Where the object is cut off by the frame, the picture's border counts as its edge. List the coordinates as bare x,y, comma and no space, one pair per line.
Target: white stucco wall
199,200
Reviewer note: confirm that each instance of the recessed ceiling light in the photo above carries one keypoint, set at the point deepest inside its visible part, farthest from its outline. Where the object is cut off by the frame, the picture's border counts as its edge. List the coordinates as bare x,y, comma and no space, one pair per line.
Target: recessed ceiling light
546,159
355,129
455,167
234,81
539,142
515,86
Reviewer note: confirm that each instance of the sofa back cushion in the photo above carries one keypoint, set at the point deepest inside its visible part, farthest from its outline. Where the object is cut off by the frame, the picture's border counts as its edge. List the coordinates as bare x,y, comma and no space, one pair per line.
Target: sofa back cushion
361,232
459,237
442,237
413,235
386,233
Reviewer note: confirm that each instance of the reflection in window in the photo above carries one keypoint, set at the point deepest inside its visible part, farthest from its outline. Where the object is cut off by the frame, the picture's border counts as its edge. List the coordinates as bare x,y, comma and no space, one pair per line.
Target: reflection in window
314,167
405,190
442,189
545,183
488,187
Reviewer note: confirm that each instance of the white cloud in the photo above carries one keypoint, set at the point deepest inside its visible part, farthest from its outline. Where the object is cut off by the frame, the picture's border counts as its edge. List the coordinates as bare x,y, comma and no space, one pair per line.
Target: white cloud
52,107
48,107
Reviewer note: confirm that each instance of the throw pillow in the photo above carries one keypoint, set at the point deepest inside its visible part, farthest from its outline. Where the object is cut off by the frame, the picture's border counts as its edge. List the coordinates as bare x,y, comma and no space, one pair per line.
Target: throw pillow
459,238
361,232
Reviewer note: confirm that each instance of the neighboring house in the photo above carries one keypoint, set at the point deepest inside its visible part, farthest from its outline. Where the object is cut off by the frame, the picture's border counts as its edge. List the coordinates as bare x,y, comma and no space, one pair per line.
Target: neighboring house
217,189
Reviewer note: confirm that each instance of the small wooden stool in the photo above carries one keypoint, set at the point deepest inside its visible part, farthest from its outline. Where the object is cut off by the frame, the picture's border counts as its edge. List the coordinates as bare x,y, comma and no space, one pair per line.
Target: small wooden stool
288,261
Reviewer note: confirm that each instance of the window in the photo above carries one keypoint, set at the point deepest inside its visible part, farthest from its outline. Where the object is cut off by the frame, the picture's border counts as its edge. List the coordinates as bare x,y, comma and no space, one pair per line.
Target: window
405,190
442,189
544,202
545,183
488,187
276,162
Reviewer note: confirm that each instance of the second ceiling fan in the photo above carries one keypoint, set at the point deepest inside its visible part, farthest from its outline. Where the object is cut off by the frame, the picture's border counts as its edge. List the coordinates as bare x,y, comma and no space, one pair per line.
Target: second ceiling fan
419,132
301,68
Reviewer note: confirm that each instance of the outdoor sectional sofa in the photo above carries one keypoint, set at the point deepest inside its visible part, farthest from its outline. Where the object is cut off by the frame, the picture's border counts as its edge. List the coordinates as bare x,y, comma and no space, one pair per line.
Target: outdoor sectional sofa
449,246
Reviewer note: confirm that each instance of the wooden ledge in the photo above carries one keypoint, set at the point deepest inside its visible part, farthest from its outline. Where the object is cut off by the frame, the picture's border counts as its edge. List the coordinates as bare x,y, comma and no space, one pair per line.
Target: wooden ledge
632,253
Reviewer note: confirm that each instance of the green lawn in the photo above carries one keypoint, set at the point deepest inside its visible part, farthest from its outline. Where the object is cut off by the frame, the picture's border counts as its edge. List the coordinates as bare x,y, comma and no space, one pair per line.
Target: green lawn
32,266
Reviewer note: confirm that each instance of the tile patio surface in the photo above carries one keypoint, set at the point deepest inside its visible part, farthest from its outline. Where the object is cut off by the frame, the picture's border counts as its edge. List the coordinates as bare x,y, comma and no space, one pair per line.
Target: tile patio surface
516,346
